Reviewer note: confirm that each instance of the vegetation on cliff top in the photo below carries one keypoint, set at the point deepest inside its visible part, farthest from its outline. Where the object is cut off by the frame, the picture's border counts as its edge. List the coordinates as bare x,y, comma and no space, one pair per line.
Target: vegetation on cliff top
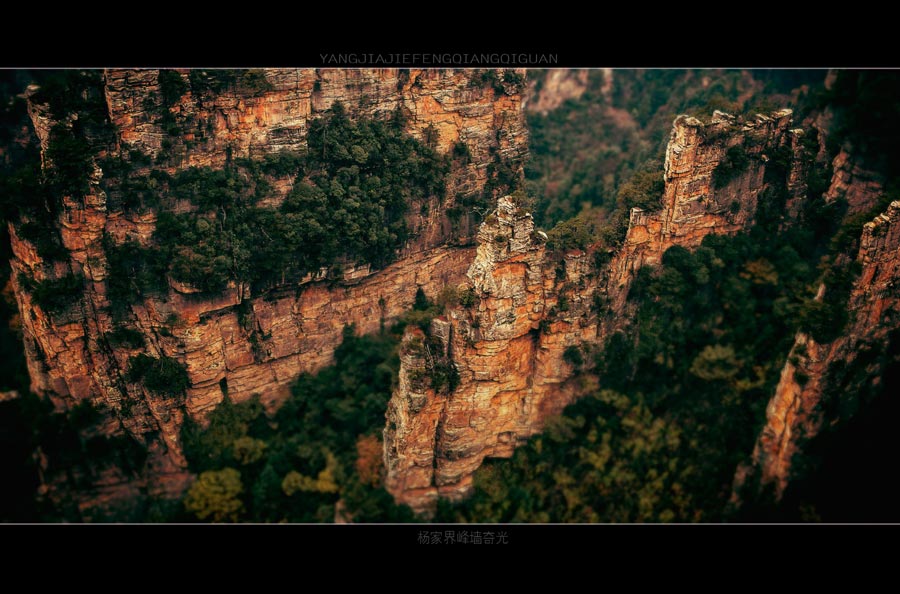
352,191
585,151
643,190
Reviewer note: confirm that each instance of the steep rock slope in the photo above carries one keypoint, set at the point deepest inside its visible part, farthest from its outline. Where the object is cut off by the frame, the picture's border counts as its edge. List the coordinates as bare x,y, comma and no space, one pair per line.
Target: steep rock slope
235,342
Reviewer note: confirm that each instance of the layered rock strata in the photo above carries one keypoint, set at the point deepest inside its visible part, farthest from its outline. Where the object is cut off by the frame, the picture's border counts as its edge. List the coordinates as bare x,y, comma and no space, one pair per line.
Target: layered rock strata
234,342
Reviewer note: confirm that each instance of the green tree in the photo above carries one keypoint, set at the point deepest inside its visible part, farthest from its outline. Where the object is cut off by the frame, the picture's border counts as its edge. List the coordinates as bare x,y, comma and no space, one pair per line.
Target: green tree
171,86
54,294
351,192
608,458
70,158
294,482
576,233
211,448
421,302
734,163
248,450
716,363
644,190
310,456
216,496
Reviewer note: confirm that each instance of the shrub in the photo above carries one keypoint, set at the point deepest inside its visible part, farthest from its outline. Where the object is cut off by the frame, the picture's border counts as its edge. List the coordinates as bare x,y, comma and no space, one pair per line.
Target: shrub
45,238
448,297
171,87
420,318
514,80
488,78
644,190
214,446
282,163
369,463
138,193
71,161
294,482
461,152
125,336
84,415
216,496
132,271
825,320
56,294
430,136
577,233
164,375
523,202
421,302
444,375
468,298
253,82
248,450
573,356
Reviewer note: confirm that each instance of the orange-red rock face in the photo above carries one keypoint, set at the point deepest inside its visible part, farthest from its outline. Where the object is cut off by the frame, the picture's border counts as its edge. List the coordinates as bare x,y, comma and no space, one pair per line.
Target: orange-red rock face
857,185
509,348
277,117
692,206
263,347
509,370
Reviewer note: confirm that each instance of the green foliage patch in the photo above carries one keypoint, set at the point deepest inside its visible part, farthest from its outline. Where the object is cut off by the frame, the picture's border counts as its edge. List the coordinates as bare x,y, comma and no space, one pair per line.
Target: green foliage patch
296,464
352,192
163,375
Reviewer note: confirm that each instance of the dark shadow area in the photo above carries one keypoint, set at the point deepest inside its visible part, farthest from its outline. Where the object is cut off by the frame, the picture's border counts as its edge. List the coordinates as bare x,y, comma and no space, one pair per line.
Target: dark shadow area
852,476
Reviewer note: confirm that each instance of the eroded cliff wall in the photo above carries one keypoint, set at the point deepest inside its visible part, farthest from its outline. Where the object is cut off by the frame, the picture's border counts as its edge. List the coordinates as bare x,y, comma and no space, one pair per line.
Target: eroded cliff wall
508,347
236,342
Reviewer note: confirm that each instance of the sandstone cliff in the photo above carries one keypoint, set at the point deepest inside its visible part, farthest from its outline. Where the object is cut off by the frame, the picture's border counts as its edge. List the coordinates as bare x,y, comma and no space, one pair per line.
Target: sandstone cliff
509,347
852,182
233,342
531,306
692,205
